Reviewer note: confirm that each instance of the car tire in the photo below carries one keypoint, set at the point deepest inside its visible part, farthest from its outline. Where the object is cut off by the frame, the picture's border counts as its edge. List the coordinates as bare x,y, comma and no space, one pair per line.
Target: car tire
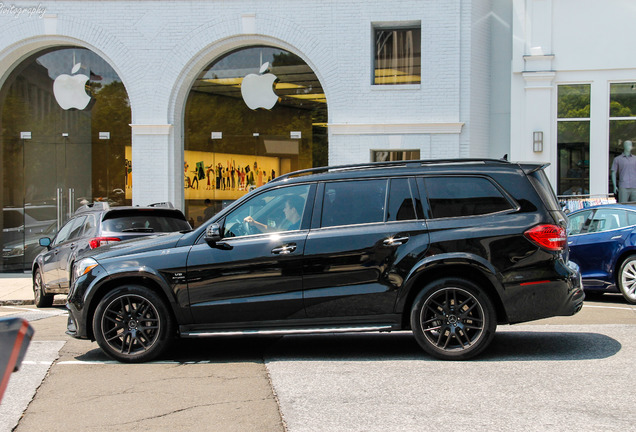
627,279
41,299
453,319
132,324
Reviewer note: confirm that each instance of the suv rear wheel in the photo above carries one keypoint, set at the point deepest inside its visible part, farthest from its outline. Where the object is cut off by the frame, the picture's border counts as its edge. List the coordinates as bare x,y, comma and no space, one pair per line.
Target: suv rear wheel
132,324
453,319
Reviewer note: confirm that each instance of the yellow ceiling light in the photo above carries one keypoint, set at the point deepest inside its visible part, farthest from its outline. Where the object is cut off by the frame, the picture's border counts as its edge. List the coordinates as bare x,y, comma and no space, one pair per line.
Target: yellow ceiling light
224,81
288,86
314,97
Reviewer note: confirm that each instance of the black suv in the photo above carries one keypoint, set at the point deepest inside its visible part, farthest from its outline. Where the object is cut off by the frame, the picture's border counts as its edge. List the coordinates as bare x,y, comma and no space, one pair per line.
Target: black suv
448,249
94,225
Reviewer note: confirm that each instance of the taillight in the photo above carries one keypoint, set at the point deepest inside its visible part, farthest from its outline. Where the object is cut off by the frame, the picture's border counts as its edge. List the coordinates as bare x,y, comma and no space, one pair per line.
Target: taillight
549,237
101,241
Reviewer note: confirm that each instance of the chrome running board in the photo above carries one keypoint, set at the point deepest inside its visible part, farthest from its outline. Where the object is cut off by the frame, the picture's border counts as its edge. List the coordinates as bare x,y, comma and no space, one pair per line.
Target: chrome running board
280,331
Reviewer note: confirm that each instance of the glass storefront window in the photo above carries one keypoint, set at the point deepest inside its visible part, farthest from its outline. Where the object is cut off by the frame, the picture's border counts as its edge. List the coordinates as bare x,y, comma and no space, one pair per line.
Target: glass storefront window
397,55
251,115
63,97
573,139
622,123
394,155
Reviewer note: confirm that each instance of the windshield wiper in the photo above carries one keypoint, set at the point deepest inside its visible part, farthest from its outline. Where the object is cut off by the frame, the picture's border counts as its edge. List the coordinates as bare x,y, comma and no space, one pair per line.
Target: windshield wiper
149,230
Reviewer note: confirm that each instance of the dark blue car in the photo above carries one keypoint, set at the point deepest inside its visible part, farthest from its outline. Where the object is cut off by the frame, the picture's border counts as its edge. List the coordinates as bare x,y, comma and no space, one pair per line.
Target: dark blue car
602,242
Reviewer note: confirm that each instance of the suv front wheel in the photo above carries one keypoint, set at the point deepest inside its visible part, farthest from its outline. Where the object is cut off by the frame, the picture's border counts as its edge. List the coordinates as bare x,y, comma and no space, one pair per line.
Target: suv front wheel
453,319
132,324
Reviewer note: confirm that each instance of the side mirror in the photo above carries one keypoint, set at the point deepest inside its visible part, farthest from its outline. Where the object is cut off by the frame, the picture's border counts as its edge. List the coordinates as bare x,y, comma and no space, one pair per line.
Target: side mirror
213,233
45,242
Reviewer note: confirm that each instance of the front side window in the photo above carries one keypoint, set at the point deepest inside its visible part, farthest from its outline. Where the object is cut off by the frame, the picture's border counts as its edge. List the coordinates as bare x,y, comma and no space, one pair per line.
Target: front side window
397,55
573,139
354,202
66,230
464,196
276,210
577,224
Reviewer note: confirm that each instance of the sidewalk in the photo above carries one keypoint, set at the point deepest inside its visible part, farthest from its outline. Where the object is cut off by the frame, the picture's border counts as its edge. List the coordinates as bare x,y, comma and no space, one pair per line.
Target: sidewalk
17,289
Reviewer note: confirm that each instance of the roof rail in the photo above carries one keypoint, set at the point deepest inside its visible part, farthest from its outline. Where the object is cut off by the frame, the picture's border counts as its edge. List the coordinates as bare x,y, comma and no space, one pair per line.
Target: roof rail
375,165
96,205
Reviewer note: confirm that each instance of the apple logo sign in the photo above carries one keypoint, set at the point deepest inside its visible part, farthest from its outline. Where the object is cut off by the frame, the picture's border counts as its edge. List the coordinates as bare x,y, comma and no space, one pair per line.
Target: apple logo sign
258,90
69,90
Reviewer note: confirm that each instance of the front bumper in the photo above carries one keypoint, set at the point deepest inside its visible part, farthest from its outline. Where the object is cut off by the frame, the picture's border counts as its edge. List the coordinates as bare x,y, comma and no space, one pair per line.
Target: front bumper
78,323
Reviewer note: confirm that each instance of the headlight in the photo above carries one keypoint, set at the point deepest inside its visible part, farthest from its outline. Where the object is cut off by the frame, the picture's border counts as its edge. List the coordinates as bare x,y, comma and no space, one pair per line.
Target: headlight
16,251
83,266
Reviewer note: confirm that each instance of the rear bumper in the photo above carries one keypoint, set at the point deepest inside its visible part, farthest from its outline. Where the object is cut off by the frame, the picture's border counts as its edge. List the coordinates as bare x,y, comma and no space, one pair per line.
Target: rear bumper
560,295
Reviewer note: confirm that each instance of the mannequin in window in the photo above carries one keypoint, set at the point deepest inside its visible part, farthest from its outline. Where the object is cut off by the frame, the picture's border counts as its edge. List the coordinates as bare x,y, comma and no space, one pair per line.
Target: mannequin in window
624,165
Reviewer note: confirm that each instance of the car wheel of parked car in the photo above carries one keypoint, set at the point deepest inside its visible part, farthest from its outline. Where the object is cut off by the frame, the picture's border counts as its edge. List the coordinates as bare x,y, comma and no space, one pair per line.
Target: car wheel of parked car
41,299
133,324
627,280
453,319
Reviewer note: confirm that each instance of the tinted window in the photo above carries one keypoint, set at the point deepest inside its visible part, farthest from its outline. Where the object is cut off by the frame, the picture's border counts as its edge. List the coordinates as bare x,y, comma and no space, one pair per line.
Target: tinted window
542,185
89,226
354,202
76,228
400,201
276,210
464,196
65,232
631,218
143,220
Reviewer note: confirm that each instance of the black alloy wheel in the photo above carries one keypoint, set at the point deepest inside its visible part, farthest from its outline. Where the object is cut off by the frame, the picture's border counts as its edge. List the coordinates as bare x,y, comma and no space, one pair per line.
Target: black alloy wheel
453,319
41,300
132,324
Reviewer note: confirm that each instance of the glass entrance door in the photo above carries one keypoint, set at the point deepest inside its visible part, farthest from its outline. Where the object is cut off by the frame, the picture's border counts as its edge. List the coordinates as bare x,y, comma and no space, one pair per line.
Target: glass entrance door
49,178
64,140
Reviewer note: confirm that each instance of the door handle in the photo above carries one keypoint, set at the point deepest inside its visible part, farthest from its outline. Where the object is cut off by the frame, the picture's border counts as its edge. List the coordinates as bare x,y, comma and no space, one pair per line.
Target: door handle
395,241
284,250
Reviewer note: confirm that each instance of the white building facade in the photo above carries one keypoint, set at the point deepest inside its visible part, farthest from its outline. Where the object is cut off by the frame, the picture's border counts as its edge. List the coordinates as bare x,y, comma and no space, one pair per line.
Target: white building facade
358,80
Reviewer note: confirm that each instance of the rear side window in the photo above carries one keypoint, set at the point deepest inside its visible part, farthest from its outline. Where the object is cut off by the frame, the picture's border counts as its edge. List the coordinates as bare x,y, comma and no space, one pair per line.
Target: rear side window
144,221
464,196
354,202
542,185
401,205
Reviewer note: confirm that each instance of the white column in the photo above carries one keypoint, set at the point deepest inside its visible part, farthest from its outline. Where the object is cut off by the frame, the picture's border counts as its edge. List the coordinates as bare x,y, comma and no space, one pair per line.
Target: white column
154,169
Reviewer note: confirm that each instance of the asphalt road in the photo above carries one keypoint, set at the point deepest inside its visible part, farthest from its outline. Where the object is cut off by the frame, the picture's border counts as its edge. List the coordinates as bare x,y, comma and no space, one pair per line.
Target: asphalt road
570,373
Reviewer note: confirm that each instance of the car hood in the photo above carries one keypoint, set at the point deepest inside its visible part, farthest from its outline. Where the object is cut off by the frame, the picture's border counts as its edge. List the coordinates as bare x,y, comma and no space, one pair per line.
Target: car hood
135,246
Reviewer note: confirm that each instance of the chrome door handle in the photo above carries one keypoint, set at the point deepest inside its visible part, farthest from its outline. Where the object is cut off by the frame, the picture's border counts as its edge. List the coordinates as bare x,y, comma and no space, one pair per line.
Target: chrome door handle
395,241
284,250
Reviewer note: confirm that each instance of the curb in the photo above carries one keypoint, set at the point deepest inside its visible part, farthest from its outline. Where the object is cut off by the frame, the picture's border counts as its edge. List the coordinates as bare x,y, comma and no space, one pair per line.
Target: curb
30,302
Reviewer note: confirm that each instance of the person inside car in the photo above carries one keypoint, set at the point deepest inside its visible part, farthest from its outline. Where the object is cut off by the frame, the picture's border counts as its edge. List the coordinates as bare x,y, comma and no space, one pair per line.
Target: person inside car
292,210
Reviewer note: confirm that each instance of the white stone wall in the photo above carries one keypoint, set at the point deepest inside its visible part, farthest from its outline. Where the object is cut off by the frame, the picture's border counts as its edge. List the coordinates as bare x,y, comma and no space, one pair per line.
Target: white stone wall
568,42
158,48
